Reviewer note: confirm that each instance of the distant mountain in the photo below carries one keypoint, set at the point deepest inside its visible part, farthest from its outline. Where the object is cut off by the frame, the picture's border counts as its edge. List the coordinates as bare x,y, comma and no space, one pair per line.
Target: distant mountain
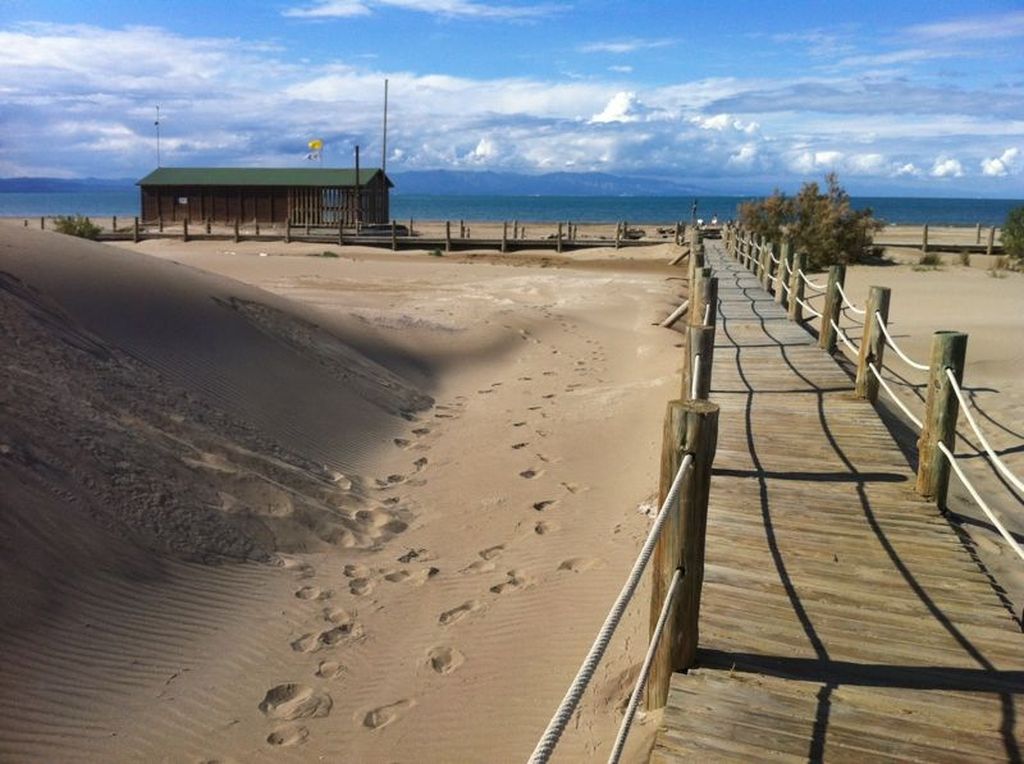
63,185
489,183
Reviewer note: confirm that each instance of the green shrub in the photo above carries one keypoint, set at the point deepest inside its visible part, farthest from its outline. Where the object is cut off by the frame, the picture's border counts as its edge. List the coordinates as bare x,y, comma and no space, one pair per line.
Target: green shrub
1013,233
76,225
436,253
930,258
965,258
822,224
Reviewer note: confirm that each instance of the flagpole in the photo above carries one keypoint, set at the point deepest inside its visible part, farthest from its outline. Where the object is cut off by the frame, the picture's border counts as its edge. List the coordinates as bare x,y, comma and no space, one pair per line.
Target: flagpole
157,123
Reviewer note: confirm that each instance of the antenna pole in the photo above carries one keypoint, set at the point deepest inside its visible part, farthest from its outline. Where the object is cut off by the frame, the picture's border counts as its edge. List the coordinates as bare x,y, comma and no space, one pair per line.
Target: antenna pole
384,150
157,123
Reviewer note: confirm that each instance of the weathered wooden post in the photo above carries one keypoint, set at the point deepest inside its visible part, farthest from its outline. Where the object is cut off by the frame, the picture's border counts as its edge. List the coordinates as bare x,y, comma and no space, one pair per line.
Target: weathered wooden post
703,293
700,342
991,240
977,234
160,224
135,231
209,226
504,235
256,226
949,349
679,234
42,223
447,236
785,256
691,427
618,234
394,235
796,287
833,305
924,238
515,229
767,263
238,238
184,229
113,224
288,231
558,240
410,227
872,344
341,230
462,229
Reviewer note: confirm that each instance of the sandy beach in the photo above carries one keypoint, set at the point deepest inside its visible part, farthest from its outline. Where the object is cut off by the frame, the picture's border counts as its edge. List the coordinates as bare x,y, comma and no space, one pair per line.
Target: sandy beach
266,504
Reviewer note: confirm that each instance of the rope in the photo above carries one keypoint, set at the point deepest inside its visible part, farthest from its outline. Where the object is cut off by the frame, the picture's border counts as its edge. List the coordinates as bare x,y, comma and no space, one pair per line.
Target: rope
808,308
645,670
892,343
848,301
707,314
811,284
901,404
985,508
1018,484
695,382
842,335
774,259
546,745
785,287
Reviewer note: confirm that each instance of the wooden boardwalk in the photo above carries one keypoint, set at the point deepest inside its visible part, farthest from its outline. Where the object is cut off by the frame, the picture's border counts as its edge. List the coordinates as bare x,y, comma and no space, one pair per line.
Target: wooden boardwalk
842,618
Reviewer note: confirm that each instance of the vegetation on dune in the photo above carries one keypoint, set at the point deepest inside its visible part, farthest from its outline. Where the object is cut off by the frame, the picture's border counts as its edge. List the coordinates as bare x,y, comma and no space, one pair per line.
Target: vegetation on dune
821,223
76,225
1013,234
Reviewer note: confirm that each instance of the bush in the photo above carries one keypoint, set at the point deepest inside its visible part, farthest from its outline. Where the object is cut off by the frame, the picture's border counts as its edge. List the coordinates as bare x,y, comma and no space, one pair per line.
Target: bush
76,225
930,258
822,224
1013,233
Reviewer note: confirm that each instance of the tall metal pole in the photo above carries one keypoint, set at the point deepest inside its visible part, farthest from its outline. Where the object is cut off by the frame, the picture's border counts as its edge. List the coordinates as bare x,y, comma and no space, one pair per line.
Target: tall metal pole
359,194
384,143
157,123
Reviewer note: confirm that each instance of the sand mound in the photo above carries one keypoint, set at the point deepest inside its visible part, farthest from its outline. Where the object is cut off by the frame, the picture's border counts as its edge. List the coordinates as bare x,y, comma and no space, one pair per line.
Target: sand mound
149,407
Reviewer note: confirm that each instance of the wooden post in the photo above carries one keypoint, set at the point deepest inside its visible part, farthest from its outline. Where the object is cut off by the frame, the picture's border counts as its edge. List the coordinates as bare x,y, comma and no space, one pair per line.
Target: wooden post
256,226
558,241
679,234
796,287
991,240
767,250
113,224
184,229
941,409
700,342
160,224
410,226
447,236
504,235
42,223
703,293
237,237
691,427
833,304
288,231
977,234
515,229
618,234
135,231
341,230
924,238
394,235
872,344
462,229
785,255
209,226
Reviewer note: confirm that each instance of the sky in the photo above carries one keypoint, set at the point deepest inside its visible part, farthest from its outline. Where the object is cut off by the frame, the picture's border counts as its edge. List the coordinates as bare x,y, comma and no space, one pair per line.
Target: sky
898,97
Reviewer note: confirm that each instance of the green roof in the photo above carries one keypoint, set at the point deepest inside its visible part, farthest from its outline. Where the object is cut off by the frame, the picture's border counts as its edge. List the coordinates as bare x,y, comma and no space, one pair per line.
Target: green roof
259,176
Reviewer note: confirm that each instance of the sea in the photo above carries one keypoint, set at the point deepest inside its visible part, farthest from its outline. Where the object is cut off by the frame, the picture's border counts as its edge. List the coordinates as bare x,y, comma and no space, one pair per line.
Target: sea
578,209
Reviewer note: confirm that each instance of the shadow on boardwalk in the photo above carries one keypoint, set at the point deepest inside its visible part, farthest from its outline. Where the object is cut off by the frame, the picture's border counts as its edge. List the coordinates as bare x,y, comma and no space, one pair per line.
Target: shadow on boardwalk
842,617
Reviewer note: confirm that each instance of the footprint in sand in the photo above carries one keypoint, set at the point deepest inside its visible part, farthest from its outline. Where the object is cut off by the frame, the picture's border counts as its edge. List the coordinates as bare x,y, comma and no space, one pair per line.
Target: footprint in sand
579,564
549,395
356,570
479,566
401,442
517,446
301,568
491,552
456,614
529,474
360,586
421,431
444,660
291,735
384,715
544,527
329,670
309,643
312,593
540,506
519,424
515,580
420,463
295,701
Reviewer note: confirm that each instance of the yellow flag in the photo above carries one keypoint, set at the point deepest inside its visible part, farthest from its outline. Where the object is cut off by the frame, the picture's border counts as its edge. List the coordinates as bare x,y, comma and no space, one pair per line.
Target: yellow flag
316,144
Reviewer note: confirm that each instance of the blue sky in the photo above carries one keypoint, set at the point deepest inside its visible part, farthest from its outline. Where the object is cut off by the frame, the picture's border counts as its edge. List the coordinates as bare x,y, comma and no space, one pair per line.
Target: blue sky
897,97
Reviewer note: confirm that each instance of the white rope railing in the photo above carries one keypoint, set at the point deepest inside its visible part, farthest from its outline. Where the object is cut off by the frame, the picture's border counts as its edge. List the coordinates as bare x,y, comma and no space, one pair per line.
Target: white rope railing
811,284
707,314
775,259
645,669
981,502
1017,483
695,381
842,335
892,343
808,308
896,399
848,302
548,741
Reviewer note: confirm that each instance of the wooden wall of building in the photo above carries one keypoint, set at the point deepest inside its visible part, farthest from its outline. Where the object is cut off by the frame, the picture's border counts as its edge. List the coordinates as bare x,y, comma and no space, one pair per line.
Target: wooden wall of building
315,206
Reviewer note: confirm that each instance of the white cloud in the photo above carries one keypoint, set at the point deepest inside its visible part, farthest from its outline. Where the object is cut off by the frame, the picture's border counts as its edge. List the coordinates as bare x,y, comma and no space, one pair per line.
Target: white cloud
908,169
621,69
720,122
997,167
982,28
624,46
327,9
623,107
947,167
867,164
745,158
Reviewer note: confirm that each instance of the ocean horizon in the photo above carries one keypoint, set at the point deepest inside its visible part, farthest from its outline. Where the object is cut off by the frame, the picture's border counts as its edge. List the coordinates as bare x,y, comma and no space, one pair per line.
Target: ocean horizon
533,209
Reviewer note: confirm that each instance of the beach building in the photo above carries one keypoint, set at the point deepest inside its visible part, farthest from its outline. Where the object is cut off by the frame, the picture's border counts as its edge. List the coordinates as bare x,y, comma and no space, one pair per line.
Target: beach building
301,196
